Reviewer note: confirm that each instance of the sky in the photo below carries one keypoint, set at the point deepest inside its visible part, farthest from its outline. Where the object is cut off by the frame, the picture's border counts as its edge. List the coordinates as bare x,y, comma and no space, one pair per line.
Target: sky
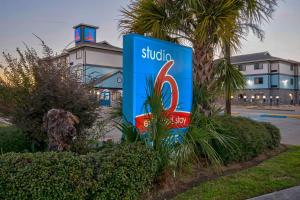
52,20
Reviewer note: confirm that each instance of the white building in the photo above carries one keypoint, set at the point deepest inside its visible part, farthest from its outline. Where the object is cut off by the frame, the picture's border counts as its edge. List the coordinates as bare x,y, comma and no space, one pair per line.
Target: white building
269,80
96,62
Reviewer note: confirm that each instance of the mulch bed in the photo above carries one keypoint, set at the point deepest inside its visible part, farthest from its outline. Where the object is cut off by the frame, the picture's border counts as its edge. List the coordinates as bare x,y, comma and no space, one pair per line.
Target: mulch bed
199,174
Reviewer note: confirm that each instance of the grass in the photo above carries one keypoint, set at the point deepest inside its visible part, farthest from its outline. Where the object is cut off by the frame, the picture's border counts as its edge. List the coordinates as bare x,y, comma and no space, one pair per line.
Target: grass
279,172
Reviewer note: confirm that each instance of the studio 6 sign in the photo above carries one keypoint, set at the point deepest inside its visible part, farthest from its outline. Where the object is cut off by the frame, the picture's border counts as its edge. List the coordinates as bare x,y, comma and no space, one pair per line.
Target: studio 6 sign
171,66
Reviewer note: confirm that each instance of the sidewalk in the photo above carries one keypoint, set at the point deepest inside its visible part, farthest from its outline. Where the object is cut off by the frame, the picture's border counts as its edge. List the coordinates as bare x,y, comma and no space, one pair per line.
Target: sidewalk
287,194
289,108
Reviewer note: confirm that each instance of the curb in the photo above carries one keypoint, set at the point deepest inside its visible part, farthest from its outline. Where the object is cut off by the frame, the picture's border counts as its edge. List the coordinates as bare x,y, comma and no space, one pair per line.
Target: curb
275,109
292,193
281,116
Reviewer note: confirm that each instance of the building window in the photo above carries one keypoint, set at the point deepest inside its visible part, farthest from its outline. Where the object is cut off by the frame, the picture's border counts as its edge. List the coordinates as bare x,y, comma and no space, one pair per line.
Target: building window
242,67
79,54
292,68
258,66
292,81
258,80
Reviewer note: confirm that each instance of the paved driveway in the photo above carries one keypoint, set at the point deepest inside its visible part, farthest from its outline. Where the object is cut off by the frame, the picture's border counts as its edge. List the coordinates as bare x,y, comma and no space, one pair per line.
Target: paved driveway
289,127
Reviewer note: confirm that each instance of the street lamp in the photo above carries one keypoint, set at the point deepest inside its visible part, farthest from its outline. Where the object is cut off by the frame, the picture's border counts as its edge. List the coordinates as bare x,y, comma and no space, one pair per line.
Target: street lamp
291,97
264,99
277,100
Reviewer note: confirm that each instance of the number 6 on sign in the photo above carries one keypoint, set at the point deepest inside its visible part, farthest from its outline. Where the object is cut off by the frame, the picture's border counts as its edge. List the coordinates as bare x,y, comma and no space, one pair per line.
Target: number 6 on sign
162,78
178,119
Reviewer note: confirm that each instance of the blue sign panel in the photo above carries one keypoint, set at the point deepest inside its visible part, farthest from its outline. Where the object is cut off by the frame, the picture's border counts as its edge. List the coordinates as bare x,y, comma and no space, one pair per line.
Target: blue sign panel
171,67
78,34
89,34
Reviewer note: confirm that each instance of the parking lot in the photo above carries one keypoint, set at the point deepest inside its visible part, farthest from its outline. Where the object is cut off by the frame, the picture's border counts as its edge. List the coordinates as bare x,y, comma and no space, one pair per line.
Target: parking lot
289,127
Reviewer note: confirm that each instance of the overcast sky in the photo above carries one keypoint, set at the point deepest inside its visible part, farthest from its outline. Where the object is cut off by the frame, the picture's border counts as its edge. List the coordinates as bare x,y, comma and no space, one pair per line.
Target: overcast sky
52,20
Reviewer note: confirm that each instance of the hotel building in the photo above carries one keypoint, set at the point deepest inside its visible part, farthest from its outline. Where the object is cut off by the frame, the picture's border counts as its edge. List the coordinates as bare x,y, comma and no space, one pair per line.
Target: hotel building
96,62
269,80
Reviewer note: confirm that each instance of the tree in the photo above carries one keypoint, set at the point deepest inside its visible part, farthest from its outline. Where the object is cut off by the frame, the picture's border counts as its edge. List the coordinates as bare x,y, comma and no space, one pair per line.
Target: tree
33,85
203,24
228,79
251,16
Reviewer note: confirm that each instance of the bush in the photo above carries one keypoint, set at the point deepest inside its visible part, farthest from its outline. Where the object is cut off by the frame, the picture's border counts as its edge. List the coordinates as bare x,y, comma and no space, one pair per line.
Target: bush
31,86
12,139
250,138
275,135
116,172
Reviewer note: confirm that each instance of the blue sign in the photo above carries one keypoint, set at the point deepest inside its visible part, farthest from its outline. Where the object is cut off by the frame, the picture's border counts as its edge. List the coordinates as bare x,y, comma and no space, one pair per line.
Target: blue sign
89,34
171,67
78,34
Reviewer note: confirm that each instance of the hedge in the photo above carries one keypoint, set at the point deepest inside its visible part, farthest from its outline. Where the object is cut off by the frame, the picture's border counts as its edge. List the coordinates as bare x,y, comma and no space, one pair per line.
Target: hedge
275,134
12,139
250,138
120,172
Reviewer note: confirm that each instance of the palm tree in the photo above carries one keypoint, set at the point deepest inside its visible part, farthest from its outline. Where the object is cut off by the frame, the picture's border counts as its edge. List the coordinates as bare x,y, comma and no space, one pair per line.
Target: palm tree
201,24
252,14
228,79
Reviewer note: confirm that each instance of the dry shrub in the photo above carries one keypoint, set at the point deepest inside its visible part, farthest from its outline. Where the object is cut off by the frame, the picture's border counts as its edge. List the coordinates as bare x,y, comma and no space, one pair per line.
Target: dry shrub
31,86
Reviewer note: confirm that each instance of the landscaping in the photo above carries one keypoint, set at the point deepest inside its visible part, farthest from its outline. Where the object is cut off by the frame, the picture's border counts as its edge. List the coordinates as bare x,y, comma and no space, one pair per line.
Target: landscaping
277,173
250,138
12,139
124,171
53,148
115,172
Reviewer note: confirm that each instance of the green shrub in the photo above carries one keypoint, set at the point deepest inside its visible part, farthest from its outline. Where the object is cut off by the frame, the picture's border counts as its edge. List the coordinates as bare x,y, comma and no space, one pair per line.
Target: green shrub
250,138
117,172
12,139
275,134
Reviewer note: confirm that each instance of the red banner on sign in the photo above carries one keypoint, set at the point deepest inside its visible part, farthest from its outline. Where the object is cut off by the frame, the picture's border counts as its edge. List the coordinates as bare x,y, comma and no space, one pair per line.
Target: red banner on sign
177,120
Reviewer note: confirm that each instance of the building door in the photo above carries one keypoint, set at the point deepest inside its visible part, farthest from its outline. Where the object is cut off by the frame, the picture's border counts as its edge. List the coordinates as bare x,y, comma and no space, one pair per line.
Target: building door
105,98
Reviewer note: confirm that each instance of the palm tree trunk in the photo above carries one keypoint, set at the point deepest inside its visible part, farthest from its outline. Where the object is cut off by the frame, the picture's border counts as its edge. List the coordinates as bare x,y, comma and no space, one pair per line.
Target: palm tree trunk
227,54
203,64
203,72
228,104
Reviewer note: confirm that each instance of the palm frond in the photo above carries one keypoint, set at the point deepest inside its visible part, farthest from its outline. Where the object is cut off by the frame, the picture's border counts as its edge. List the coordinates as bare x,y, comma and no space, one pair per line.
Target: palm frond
130,132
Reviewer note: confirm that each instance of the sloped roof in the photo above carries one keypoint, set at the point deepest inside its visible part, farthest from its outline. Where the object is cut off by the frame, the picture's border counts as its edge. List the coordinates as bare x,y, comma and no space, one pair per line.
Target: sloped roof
104,77
99,45
256,57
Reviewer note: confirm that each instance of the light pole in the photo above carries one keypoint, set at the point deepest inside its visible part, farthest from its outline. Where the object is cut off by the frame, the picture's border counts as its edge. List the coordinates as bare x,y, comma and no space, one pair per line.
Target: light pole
277,100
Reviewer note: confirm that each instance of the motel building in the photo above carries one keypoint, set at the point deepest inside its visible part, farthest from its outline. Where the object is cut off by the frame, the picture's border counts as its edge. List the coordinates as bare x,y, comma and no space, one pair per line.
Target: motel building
269,80
99,63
